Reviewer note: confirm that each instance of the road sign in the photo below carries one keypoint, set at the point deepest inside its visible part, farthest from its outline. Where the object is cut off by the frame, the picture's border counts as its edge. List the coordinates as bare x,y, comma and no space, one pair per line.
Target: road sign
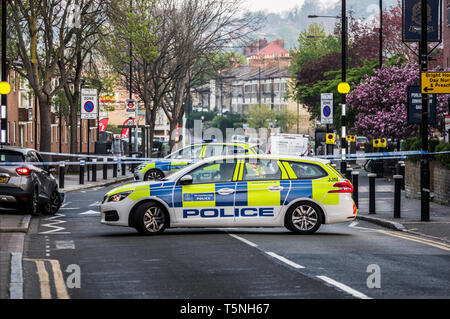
379,142
435,82
131,106
89,104
412,20
331,138
326,102
415,106
447,121
350,138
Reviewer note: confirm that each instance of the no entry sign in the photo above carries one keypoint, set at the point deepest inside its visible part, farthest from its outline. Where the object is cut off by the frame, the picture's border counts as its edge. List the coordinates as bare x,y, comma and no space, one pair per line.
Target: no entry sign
89,104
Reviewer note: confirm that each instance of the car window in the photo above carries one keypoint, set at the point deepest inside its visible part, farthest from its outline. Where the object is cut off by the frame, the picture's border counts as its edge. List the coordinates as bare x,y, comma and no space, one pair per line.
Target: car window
188,152
307,170
32,157
213,173
10,156
213,150
261,169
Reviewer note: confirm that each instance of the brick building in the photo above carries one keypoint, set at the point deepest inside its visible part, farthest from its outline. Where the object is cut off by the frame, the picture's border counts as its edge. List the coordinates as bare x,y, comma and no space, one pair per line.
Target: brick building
22,125
446,33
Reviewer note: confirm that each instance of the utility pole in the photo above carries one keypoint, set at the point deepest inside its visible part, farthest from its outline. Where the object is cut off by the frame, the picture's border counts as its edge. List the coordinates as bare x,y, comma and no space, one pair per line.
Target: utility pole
4,99
424,162
344,77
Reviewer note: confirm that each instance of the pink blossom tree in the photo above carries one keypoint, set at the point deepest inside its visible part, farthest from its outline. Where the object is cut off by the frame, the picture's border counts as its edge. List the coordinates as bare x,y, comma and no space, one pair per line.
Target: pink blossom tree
381,103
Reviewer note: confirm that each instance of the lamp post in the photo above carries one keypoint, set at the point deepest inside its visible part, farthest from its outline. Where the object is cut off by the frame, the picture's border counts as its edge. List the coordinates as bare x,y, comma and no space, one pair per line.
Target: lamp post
381,34
5,88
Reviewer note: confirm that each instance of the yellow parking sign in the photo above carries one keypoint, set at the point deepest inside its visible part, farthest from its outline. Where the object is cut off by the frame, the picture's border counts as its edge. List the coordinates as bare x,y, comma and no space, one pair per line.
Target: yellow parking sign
379,142
331,138
350,138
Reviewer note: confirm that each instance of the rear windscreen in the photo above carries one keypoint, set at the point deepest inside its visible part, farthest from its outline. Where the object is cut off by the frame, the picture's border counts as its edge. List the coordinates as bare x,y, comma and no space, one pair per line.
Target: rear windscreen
10,156
334,170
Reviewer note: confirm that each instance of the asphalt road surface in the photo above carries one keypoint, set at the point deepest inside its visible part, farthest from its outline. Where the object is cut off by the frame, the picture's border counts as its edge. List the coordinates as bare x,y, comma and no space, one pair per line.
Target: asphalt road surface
72,255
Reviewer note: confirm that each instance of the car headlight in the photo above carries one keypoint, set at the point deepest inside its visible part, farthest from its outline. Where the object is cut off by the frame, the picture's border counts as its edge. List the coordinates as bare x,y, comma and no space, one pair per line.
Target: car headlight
118,197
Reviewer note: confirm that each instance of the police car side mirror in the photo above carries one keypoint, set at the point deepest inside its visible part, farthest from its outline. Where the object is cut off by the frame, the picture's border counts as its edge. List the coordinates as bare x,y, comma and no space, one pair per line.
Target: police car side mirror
186,180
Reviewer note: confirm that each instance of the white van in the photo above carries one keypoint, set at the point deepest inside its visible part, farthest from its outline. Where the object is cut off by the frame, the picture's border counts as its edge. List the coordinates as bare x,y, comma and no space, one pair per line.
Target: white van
288,144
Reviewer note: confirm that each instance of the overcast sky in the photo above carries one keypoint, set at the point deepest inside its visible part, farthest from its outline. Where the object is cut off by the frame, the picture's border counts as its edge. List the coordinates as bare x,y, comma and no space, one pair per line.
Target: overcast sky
281,5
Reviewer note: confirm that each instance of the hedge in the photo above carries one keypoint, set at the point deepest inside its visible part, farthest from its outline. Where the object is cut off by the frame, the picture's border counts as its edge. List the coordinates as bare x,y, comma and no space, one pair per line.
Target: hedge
434,145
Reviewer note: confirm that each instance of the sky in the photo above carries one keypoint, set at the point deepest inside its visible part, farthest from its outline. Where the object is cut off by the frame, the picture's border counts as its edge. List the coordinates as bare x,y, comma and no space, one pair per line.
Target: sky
281,5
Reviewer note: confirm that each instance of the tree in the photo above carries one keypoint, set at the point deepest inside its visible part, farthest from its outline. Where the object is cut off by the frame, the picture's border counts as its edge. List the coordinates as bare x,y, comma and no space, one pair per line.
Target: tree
380,101
285,119
260,116
228,120
42,33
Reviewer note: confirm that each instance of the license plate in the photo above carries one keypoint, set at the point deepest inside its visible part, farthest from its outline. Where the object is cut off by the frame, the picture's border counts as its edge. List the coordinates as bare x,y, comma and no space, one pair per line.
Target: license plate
3,180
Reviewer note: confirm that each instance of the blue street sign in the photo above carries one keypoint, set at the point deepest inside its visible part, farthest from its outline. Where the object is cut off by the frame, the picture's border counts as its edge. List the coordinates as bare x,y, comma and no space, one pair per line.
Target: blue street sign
415,106
89,106
412,20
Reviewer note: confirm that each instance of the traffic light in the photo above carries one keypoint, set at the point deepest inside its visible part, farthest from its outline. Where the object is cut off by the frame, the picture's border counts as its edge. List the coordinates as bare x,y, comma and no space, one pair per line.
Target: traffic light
331,138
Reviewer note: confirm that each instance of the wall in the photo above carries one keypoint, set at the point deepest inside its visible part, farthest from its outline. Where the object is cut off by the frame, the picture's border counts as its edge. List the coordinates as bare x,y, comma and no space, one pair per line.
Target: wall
439,181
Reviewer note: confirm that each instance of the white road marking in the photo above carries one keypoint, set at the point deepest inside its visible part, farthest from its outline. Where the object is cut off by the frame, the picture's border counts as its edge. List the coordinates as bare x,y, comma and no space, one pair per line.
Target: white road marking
96,203
285,260
243,240
343,287
69,208
65,244
90,212
65,204
53,223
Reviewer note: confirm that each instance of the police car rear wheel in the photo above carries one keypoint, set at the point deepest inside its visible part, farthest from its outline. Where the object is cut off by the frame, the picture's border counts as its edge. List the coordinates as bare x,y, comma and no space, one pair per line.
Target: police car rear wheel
153,174
304,218
151,219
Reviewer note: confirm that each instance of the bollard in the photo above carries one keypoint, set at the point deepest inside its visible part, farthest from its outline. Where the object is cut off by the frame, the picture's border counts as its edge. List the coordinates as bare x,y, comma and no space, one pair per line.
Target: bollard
123,168
133,166
62,167
355,175
348,173
402,172
115,168
82,163
397,195
372,177
94,170
105,168
334,165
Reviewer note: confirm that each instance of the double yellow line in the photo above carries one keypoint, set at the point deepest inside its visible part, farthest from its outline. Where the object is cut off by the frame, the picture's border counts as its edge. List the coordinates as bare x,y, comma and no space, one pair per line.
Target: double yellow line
44,278
416,239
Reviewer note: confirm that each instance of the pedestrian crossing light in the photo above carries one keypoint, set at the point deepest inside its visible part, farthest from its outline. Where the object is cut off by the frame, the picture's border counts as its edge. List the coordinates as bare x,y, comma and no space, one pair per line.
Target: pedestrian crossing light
5,88
331,138
343,88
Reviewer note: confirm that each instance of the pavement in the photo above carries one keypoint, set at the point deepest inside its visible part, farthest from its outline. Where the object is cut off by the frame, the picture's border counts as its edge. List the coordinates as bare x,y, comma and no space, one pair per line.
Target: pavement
15,225
437,227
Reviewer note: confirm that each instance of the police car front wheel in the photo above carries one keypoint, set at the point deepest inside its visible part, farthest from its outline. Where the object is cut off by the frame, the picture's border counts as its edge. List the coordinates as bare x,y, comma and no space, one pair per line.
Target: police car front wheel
304,218
150,219
153,174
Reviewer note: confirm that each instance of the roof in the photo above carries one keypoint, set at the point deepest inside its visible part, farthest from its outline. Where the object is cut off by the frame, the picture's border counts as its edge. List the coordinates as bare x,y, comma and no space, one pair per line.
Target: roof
16,149
273,48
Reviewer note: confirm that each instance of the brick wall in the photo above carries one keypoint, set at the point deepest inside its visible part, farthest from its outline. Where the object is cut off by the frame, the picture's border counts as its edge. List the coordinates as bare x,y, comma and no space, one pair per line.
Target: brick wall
439,181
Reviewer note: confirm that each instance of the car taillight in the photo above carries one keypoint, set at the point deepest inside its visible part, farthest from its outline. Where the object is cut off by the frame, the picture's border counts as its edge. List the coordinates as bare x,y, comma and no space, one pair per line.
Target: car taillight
23,171
344,187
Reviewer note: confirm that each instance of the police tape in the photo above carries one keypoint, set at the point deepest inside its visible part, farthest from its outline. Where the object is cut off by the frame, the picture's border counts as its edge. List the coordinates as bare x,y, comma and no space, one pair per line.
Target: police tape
94,156
63,163
380,155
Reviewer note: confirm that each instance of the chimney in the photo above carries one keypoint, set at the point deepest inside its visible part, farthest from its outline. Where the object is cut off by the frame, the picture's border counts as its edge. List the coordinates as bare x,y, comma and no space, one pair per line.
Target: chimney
280,42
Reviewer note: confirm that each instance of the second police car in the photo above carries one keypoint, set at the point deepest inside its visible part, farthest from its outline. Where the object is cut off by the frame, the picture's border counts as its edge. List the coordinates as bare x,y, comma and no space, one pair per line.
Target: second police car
239,191
159,168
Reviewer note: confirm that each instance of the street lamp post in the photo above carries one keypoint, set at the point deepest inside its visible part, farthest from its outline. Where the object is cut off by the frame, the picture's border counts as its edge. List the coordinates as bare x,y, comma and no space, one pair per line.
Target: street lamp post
381,34
344,77
4,99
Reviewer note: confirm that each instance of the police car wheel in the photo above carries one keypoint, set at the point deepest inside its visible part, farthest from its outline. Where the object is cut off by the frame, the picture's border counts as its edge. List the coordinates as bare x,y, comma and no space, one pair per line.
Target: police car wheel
153,174
304,218
150,219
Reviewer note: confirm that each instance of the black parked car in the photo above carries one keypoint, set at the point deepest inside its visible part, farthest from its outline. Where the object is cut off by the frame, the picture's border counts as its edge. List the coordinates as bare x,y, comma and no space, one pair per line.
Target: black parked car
26,186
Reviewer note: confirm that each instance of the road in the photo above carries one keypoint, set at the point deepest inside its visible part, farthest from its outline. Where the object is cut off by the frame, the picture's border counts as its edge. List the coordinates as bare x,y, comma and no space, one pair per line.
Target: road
337,262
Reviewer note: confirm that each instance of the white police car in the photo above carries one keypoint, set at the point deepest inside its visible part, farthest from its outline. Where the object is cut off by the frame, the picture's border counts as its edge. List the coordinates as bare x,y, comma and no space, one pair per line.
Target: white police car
247,191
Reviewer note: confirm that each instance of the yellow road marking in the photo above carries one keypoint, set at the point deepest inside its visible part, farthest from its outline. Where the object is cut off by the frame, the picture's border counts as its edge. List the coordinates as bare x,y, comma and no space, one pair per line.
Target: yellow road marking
418,240
44,281
58,278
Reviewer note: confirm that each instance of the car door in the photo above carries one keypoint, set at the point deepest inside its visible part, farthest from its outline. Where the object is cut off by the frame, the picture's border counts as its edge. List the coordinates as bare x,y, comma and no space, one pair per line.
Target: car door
262,188
209,200
41,175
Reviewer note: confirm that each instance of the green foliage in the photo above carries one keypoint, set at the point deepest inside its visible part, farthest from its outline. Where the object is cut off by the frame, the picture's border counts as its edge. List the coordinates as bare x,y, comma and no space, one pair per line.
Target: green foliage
114,128
285,119
260,116
61,104
444,159
197,116
228,120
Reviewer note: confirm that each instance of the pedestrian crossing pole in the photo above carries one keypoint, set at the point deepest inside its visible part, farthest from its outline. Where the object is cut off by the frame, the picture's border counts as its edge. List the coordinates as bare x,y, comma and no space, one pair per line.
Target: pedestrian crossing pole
4,99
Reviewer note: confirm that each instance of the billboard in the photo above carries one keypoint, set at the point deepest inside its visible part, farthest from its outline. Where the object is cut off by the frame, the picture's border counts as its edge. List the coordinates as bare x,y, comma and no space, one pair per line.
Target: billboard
412,20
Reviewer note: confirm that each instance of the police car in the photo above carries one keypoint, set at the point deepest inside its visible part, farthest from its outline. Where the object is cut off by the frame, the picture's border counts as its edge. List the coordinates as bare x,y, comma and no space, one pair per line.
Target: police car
239,191
160,168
